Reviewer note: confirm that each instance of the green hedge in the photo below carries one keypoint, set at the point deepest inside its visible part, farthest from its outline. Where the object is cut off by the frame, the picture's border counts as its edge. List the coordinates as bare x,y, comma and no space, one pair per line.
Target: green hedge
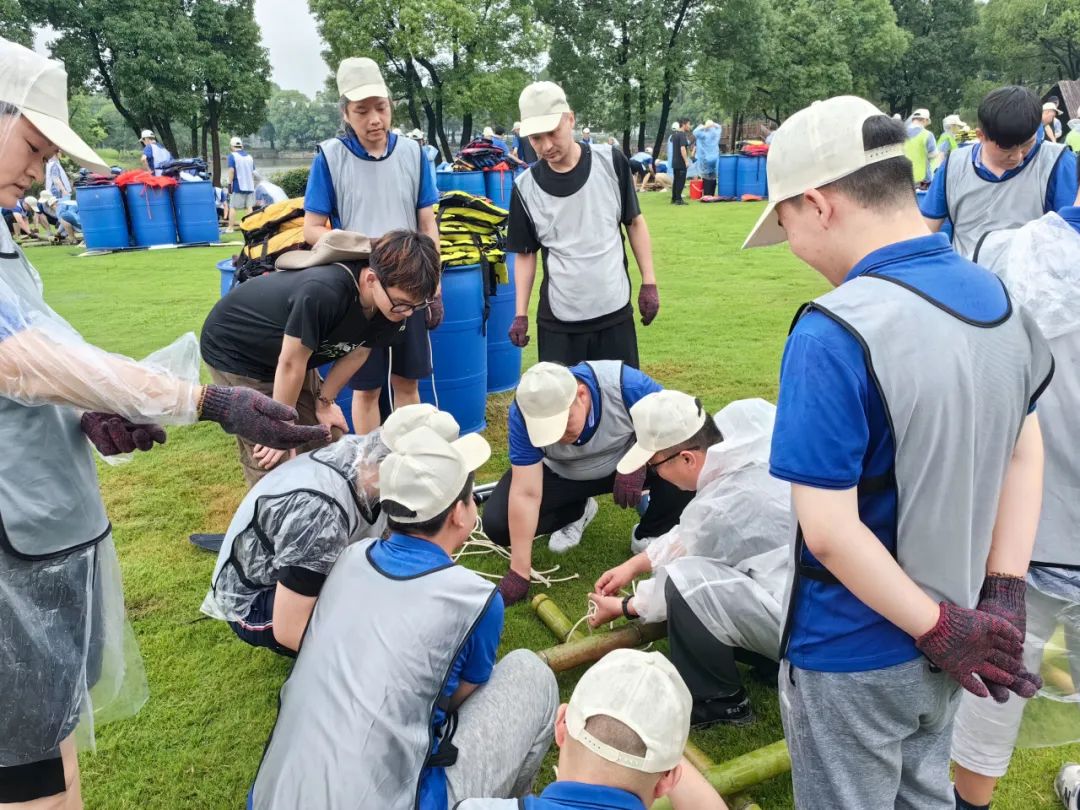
293,182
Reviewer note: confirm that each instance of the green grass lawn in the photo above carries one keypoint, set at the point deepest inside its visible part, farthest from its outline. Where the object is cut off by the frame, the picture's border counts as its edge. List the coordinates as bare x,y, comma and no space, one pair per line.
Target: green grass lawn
197,743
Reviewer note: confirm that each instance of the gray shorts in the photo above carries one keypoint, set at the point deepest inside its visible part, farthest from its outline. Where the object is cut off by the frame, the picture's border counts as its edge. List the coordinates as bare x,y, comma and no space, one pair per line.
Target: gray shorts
870,739
241,200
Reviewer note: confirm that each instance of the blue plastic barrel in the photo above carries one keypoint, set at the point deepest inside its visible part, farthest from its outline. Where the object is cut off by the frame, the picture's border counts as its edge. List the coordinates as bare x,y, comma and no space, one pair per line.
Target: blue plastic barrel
469,182
498,186
343,399
726,166
101,209
458,383
196,214
504,358
225,266
151,214
750,176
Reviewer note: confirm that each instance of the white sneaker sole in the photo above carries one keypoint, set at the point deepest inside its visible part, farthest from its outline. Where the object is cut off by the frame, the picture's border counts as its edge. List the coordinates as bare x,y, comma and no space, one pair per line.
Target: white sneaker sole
568,537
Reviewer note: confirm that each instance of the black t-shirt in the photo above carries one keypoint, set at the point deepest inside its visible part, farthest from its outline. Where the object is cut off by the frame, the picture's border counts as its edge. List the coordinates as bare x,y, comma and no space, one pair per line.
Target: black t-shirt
526,151
521,234
679,140
319,305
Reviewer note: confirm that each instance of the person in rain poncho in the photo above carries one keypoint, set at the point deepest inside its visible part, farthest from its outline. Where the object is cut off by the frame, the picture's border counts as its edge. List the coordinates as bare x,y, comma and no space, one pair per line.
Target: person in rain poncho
1040,264
66,651
720,573
707,136
293,524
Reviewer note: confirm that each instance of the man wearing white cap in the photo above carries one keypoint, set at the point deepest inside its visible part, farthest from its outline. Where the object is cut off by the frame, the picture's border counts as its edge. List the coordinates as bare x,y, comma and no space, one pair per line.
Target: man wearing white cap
239,179
371,181
948,143
586,137
621,740
915,462
395,700
921,148
430,152
154,155
719,574
567,429
60,592
572,207
1050,121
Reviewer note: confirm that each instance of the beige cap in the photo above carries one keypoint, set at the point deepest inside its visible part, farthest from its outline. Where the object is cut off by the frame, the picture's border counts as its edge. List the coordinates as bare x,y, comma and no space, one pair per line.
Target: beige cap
359,77
816,146
953,121
542,105
38,87
1052,105
661,420
425,473
544,396
489,132
47,197
642,690
709,123
146,133
517,125
408,418
675,126
1074,124
333,246
235,140
416,135
922,112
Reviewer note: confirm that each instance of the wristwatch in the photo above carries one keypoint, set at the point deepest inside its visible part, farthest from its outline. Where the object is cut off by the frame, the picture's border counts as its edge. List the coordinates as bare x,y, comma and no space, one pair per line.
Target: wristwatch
626,608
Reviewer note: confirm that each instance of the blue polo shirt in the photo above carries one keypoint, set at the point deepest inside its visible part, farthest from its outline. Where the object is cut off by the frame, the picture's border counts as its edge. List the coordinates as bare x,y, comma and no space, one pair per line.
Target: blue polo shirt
498,142
832,430
635,385
320,197
402,555
1060,190
585,797
1071,214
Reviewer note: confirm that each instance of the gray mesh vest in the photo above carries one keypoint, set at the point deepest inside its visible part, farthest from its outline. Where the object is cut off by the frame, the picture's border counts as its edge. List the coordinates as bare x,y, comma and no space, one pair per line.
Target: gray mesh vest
613,437
977,206
584,260
956,394
49,497
375,196
355,724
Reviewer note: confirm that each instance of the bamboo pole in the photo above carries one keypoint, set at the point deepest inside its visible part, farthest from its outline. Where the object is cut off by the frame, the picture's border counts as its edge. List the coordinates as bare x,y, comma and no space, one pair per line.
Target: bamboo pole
593,648
743,802
557,621
698,758
736,775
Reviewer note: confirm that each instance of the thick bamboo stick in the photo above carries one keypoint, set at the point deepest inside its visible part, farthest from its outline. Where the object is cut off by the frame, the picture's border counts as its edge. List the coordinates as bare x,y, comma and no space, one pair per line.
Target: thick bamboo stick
593,648
697,758
736,775
557,621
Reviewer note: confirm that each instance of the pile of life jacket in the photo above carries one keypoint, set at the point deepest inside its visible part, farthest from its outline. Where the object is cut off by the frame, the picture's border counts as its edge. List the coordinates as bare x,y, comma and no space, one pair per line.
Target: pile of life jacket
86,177
192,165
142,176
269,232
478,155
754,149
472,230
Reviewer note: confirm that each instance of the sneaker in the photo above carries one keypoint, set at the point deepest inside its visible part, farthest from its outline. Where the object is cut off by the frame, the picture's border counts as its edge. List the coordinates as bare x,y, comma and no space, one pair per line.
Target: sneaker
639,544
729,711
1067,785
569,536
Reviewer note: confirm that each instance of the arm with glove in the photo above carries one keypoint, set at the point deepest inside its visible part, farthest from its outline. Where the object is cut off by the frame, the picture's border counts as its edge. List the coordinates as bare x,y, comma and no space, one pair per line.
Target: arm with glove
641,244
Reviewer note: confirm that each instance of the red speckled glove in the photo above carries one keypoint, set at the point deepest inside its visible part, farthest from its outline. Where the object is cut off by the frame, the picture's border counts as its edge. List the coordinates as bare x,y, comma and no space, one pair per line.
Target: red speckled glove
513,587
627,491
648,303
112,434
435,313
1003,596
258,418
519,331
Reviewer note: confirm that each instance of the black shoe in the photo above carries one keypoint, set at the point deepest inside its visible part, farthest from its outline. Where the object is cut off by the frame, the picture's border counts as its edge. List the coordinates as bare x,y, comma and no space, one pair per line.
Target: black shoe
207,542
679,201
730,711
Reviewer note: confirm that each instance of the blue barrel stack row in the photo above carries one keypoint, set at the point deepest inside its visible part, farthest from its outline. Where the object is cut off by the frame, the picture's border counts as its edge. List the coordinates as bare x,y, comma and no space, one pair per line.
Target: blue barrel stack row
741,174
141,216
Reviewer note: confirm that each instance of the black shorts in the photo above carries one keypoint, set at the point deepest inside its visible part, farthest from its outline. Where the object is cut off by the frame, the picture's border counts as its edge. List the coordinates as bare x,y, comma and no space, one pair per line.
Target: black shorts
638,169
411,358
35,780
615,342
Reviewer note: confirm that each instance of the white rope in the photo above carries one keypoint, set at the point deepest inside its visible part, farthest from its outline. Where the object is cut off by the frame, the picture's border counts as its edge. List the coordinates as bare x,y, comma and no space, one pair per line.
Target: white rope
479,544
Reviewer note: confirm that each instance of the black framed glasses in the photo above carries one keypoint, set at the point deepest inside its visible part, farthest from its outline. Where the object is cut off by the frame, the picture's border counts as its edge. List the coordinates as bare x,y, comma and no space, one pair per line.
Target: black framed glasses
650,465
402,307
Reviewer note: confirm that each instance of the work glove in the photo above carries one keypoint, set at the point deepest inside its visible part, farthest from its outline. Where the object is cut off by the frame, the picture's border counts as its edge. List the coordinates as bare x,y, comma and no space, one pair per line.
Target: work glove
257,418
1003,596
969,643
112,434
435,313
627,491
519,331
513,587
648,303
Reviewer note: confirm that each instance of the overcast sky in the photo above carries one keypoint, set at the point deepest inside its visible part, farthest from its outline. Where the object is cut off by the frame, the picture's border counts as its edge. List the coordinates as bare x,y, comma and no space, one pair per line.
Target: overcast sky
288,32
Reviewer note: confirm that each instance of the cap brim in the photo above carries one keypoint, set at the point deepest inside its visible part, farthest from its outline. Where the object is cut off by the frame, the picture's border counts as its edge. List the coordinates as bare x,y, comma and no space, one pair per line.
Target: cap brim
65,139
300,259
474,449
767,231
635,458
367,91
540,124
547,430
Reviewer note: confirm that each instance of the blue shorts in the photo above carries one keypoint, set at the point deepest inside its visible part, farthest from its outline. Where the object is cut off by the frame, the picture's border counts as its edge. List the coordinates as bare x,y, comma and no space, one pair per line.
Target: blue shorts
257,628
411,358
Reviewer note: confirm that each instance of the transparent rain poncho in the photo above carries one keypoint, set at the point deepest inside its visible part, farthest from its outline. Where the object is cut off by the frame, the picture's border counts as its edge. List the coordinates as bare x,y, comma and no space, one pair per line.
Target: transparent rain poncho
729,554
306,513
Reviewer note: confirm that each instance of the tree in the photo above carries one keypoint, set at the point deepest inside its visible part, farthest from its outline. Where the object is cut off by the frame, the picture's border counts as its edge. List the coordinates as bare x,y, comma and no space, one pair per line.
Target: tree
1033,42
14,24
84,119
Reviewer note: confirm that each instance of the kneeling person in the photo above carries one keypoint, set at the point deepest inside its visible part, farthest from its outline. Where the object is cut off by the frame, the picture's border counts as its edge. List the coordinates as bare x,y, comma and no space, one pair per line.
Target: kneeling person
395,700
568,428
292,526
720,573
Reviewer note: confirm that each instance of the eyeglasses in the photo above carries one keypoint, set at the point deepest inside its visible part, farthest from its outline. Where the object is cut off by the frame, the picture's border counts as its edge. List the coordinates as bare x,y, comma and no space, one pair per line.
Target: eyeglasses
650,465
403,307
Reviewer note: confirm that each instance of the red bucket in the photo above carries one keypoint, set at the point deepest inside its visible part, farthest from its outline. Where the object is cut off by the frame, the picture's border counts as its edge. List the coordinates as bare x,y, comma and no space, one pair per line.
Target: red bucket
696,188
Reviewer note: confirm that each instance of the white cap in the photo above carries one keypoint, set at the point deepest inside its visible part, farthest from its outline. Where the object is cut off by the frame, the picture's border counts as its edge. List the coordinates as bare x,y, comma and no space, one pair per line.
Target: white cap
544,396
359,77
517,125
542,105
661,420
47,197
816,146
586,129
146,134
235,141
675,126
648,150
425,473
709,123
408,418
38,87
643,691
953,121
922,112
1074,124
1052,105
416,135
489,132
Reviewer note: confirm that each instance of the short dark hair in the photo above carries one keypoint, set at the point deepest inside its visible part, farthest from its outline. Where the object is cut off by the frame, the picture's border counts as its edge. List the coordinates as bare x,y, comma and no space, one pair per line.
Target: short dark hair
500,130
408,260
1010,116
684,121
708,435
883,185
7,108
425,528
